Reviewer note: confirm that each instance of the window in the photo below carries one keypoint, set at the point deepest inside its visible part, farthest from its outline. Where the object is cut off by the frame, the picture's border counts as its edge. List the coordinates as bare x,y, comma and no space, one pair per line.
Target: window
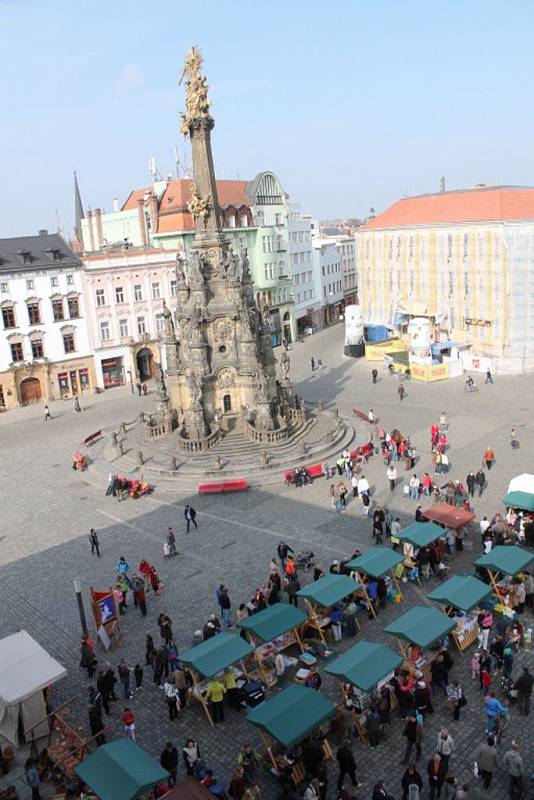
74,307
54,282
138,292
155,291
70,280
68,342
278,219
37,348
2,398
119,294
16,351
33,313
8,317
141,327
57,310
29,283
244,221
123,328
160,323
173,288
297,279
100,297
104,332
231,221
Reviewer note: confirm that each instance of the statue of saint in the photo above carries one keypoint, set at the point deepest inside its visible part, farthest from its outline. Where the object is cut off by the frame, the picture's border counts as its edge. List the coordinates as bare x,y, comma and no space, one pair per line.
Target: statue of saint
261,382
245,271
245,320
195,325
167,319
265,318
180,270
285,364
197,104
232,268
195,388
196,271
161,381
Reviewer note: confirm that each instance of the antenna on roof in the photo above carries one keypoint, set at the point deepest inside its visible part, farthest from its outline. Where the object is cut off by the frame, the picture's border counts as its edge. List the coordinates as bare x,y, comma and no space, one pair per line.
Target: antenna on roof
153,169
442,183
182,170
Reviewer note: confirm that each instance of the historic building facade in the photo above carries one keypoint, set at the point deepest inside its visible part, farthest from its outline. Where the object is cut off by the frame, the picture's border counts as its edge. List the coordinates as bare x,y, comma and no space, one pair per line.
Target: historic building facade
45,352
462,259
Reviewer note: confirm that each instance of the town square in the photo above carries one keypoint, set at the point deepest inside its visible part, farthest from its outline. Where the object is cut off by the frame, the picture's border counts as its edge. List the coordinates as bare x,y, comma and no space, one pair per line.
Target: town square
267,493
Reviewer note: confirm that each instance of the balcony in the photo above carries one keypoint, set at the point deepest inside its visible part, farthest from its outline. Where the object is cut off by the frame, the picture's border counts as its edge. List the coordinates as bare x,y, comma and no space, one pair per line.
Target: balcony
281,246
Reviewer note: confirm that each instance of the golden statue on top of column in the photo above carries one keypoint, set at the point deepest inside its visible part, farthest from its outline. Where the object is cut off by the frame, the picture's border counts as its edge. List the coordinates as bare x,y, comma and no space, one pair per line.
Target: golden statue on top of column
197,104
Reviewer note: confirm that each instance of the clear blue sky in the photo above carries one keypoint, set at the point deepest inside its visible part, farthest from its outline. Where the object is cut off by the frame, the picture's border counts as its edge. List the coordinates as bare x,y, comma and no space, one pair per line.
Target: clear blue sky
351,103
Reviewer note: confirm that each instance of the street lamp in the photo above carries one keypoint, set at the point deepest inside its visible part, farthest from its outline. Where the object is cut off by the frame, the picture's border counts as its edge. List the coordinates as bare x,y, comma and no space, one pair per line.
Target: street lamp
81,610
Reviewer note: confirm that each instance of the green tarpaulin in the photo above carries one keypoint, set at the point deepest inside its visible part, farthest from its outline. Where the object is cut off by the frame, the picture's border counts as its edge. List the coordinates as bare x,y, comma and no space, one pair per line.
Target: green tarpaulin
376,561
329,590
120,770
273,621
365,664
509,560
421,533
291,715
422,625
522,500
463,593
213,655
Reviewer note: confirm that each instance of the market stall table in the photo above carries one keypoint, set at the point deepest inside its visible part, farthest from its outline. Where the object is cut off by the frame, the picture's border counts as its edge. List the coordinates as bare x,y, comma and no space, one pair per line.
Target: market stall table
365,666
121,770
325,593
211,657
289,717
421,626
504,561
450,516
277,627
462,593
375,563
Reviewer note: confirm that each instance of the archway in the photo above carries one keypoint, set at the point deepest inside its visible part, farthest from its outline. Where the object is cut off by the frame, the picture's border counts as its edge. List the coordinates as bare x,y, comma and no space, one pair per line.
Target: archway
30,391
145,364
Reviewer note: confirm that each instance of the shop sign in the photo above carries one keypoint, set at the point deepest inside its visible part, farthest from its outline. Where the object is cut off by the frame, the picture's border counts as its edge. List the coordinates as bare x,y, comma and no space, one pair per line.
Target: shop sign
479,323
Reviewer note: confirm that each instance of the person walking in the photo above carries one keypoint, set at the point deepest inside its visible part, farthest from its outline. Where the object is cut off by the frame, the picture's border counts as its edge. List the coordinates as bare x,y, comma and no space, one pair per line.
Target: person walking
523,686
169,761
391,475
87,658
494,711
514,441
488,457
128,723
171,698
487,761
96,725
138,675
455,694
312,364
191,755
145,389
94,542
480,479
226,607
514,764
32,778
489,376
347,765
401,391
124,676
374,375
190,517
139,387
445,746
138,586
413,733
292,587
471,483
47,414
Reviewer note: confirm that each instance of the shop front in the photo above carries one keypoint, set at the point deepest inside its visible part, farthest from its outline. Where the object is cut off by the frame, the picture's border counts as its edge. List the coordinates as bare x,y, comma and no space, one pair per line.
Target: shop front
113,372
68,379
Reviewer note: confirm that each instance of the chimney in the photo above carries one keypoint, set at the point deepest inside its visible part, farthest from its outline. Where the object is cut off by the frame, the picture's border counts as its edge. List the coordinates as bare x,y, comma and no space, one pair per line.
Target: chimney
442,183
153,206
99,229
43,232
142,221
115,204
91,235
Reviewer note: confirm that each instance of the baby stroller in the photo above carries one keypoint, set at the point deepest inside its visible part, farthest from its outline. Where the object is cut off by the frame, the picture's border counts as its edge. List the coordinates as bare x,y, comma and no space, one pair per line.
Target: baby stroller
508,691
304,559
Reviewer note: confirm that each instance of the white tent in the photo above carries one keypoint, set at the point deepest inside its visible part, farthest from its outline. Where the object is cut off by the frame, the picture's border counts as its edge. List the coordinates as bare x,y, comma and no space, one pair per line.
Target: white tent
25,670
522,483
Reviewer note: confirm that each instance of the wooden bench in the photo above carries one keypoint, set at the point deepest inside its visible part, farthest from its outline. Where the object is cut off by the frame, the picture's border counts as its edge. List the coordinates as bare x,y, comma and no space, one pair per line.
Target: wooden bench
219,487
90,439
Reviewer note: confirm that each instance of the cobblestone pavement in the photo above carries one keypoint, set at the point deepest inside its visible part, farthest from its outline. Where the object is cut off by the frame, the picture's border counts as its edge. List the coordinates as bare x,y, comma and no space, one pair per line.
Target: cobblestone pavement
47,510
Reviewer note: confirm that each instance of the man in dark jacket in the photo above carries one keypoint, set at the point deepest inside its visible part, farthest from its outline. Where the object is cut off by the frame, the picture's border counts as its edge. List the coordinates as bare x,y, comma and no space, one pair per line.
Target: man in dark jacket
347,765
436,772
413,737
96,725
524,691
438,672
411,778
190,517
471,482
169,761
480,479
283,549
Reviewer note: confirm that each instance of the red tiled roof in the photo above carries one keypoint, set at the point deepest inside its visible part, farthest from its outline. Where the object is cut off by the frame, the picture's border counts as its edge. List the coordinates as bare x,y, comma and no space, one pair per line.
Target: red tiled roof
133,197
469,205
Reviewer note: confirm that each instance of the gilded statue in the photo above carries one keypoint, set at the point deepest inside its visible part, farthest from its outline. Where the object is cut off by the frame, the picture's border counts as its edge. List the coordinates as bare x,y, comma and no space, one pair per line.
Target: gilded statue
197,104
199,207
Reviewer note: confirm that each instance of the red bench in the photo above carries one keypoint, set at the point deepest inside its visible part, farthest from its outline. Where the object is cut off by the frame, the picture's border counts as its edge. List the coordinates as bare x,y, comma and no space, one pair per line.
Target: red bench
314,471
218,487
361,415
91,438
366,450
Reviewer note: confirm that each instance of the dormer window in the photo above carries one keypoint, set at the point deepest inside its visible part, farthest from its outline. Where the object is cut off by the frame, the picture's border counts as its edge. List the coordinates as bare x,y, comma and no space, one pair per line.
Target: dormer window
24,256
54,253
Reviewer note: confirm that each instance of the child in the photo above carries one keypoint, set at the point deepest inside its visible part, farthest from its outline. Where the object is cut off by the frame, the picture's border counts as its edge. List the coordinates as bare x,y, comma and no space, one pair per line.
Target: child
128,720
475,666
138,672
485,680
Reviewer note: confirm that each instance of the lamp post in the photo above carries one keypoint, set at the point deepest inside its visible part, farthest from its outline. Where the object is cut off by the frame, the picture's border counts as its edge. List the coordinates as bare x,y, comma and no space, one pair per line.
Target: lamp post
81,610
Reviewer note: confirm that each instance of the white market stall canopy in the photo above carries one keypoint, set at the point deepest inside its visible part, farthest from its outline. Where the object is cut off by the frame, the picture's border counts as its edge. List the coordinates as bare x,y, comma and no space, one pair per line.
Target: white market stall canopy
522,483
25,670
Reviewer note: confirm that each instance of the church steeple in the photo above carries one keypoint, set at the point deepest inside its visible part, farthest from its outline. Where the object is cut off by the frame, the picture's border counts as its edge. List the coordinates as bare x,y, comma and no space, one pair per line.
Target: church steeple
78,215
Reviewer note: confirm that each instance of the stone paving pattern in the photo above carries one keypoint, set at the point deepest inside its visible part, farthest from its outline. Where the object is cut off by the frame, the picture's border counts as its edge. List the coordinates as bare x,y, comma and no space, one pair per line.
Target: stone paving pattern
47,510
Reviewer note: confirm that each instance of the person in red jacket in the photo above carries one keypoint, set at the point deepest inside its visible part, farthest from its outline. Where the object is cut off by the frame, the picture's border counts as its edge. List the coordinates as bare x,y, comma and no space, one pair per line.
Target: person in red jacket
128,720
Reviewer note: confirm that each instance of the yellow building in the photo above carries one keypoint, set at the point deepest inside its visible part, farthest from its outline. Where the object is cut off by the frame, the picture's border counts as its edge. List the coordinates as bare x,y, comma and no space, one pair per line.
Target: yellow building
464,260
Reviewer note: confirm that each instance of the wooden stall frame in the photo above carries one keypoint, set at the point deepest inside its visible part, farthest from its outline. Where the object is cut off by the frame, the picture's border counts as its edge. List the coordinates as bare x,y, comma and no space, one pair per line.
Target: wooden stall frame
408,665
258,658
364,590
468,640
197,695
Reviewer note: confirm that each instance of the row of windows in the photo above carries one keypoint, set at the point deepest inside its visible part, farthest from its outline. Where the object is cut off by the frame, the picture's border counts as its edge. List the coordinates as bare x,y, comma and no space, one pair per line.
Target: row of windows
120,294
34,312
329,269
301,258
30,283
37,348
332,288
124,327
272,244
309,294
300,236
445,243
303,276
270,270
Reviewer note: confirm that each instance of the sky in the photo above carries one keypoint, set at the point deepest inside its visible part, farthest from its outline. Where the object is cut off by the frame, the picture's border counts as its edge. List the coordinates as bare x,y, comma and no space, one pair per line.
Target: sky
351,103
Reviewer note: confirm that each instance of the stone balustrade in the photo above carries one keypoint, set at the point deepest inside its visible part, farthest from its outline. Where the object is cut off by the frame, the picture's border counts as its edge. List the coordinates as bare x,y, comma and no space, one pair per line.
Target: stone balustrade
199,445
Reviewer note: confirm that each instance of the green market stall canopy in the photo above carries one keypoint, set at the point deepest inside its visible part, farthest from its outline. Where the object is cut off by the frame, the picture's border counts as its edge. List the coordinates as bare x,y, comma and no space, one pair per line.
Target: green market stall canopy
463,593
421,625
421,534
376,561
120,770
292,715
329,590
273,621
365,664
217,653
521,500
506,560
